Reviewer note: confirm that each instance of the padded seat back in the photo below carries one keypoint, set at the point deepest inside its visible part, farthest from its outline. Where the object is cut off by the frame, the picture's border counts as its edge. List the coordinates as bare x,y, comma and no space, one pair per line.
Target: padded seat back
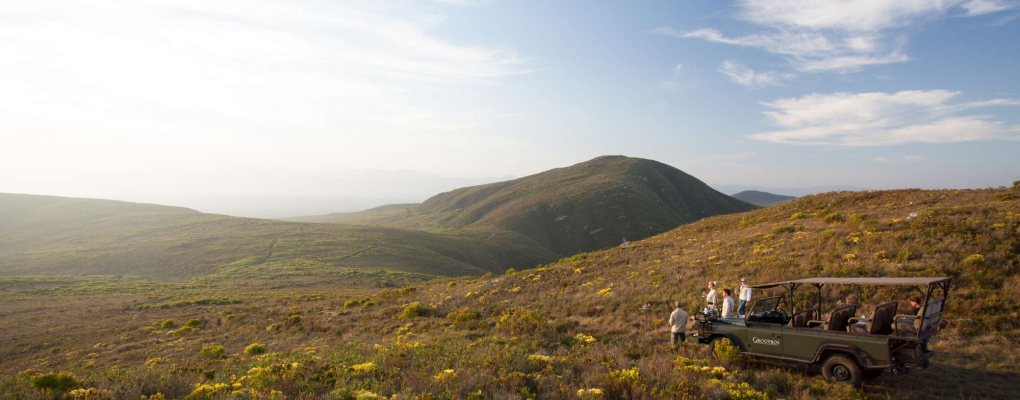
882,319
931,315
801,318
840,317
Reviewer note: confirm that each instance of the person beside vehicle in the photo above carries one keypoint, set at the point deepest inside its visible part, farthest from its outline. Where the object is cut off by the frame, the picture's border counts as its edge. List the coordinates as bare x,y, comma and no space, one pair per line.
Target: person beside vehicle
727,304
678,324
711,297
745,297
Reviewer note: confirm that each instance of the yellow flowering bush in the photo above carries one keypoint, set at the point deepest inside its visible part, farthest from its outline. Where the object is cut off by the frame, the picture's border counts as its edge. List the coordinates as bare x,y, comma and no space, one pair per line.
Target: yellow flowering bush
447,375
589,394
91,394
584,339
365,369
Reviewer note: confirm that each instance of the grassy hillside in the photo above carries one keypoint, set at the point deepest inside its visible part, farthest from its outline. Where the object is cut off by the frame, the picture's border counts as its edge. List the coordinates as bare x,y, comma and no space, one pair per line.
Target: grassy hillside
761,198
43,235
591,205
591,326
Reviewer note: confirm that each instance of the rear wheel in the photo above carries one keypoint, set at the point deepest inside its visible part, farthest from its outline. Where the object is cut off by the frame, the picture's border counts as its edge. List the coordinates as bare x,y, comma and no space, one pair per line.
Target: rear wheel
843,369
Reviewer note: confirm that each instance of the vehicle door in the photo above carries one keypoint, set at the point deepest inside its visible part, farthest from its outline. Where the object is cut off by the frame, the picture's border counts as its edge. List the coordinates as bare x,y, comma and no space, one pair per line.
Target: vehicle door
764,331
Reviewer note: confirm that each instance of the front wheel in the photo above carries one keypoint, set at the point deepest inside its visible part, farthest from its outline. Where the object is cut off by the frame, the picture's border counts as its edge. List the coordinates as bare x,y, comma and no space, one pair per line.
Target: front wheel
843,369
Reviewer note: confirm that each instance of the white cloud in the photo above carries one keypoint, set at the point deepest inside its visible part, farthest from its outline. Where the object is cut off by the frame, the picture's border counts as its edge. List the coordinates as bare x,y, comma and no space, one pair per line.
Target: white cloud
902,159
982,7
745,76
108,79
880,119
836,35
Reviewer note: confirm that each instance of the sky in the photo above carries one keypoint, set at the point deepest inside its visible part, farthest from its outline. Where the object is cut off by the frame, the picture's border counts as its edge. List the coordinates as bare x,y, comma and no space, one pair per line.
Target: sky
152,99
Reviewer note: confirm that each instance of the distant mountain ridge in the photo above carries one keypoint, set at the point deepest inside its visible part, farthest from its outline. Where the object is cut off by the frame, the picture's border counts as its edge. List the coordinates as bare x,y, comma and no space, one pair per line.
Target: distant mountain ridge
761,198
590,205
48,235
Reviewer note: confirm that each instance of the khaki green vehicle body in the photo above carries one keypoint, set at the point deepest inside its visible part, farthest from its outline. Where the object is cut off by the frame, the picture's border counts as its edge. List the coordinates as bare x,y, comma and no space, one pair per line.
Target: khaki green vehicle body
883,343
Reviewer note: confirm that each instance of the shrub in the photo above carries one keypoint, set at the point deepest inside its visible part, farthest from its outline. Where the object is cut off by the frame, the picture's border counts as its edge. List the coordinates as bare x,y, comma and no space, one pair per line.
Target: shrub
463,316
974,260
195,323
785,229
833,218
168,324
184,330
412,310
209,391
365,369
725,351
254,349
520,321
59,382
294,320
91,394
446,375
214,351
857,219
798,215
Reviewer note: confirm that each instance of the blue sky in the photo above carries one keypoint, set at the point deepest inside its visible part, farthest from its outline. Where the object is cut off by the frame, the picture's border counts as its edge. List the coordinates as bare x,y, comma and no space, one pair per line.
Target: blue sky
156,95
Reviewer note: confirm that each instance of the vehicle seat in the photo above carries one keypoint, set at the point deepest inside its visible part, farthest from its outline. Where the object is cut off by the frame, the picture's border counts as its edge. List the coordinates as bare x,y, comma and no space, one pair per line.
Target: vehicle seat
800,318
881,320
838,319
910,324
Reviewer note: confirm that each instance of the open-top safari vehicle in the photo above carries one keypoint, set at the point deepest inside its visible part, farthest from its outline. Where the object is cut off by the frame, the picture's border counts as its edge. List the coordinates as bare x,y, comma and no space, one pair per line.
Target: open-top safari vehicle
849,349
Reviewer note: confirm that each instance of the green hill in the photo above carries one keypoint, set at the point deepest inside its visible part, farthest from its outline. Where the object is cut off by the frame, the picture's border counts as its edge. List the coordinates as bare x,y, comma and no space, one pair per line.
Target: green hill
762,198
589,326
66,236
591,205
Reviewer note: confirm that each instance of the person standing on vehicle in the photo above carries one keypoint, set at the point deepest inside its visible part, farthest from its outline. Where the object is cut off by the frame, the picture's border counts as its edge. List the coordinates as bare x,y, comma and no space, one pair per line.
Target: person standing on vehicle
727,304
678,325
745,297
710,298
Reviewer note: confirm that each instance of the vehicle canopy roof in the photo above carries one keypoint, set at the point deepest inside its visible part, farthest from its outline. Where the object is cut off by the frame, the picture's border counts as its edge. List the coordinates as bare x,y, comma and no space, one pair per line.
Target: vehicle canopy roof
856,281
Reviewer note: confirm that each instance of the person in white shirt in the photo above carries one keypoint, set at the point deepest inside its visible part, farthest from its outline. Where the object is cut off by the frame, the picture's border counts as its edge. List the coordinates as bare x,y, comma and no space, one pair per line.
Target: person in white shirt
745,297
710,298
727,304
678,324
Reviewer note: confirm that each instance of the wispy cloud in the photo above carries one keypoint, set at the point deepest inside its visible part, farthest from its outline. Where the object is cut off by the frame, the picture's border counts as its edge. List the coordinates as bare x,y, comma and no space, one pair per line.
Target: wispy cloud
879,119
836,36
674,80
746,76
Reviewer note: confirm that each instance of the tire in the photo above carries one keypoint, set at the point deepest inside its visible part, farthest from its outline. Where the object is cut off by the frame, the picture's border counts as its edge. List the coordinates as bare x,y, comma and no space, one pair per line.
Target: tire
843,369
711,345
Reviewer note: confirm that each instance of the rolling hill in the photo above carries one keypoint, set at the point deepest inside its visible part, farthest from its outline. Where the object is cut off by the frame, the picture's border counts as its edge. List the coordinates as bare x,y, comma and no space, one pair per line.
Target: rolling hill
46,235
591,326
591,205
762,198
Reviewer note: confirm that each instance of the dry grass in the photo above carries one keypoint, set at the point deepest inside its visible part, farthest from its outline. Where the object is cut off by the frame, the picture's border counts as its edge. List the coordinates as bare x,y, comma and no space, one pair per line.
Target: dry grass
531,335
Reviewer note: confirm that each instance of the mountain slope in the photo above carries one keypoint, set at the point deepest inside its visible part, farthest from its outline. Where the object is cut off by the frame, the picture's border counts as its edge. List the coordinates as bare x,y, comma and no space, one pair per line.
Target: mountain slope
591,205
761,198
53,235
592,321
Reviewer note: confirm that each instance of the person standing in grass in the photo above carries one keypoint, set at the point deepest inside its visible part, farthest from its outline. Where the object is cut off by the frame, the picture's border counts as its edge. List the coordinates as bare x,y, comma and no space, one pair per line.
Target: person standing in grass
711,297
745,297
727,304
678,324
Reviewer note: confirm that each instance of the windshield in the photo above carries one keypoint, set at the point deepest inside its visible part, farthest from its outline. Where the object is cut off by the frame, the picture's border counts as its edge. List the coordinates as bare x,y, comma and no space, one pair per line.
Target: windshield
766,304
